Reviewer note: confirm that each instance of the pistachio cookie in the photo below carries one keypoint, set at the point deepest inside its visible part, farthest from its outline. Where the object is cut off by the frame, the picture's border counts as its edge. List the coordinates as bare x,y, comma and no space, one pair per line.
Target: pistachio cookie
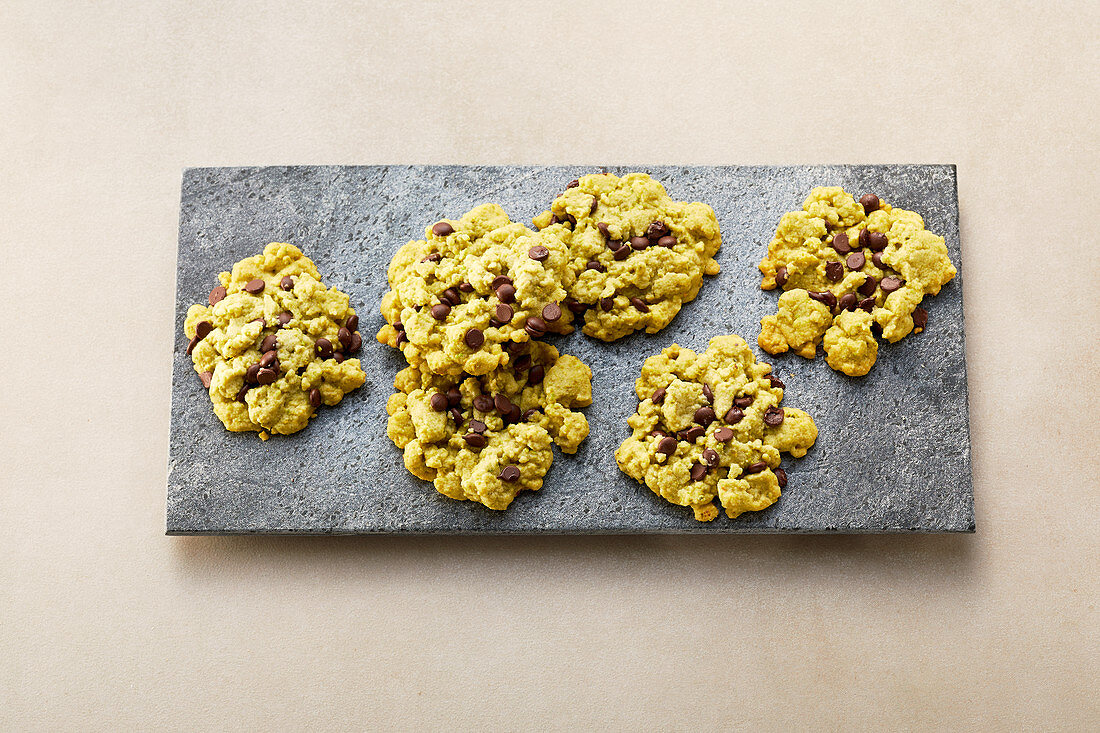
473,290
709,426
637,254
274,344
486,438
851,269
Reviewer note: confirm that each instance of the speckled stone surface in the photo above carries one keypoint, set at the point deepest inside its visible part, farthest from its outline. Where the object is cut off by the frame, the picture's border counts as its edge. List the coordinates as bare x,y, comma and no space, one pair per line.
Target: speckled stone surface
893,453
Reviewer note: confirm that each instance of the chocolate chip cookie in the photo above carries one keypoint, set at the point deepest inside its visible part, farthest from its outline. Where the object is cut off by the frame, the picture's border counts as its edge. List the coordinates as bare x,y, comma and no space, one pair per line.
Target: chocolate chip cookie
273,344
850,269
710,425
636,254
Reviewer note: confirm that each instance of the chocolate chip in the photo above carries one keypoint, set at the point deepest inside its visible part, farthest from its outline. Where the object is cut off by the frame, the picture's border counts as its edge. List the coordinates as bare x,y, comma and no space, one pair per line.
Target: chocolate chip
439,312
433,257
551,312
466,287
402,339
439,402
639,243
743,402
535,327
876,241
454,396
840,243
774,380
315,397
216,295
595,204
698,471
287,283
284,318
269,358
475,440
503,404
442,229
536,375
825,297
538,253
868,286
723,434
571,219
356,342
667,446
606,304
615,244
514,415
457,415
920,317
506,293
773,416
323,347
572,184
266,376
877,259
867,304
708,393
594,265
711,457
834,271
528,413
658,395
451,295
338,356
476,426
500,280
639,304
847,302
604,228
704,415
554,219
781,476
890,284
870,202
515,348
243,392
251,373
504,313
756,467
345,335
781,276
668,241
863,237
203,329
693,433
657,230
509,474
483,403
621,254
474,338
856,260
206,378
255,286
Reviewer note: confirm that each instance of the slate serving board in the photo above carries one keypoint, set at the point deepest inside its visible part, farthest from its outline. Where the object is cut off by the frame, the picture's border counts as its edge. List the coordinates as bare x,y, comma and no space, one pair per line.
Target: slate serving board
893,454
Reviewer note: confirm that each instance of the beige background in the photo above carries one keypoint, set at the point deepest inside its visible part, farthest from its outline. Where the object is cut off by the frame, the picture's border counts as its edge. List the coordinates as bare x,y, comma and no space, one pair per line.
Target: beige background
107,624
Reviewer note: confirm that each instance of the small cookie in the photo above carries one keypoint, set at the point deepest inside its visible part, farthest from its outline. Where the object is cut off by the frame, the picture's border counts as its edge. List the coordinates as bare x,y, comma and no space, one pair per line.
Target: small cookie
637,254
709,425
848,256
486,438
471,287
274,343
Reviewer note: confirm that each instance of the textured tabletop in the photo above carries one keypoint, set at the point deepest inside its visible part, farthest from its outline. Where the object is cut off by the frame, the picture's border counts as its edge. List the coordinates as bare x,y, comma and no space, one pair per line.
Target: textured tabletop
893,453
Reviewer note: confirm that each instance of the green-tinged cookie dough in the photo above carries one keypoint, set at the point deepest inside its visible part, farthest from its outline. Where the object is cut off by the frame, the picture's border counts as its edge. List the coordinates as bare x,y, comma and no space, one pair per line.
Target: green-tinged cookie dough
636,254
273,343
471,287
486,438
841,256
709,425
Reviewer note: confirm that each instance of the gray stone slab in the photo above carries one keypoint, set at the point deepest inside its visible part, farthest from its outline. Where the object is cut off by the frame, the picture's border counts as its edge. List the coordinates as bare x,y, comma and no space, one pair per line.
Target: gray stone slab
894,448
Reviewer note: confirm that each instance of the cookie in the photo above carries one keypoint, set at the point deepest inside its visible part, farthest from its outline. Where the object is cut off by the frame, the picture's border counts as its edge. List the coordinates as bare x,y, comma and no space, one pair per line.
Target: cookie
709,426
486,438
840,256
472,287
273,343
636,254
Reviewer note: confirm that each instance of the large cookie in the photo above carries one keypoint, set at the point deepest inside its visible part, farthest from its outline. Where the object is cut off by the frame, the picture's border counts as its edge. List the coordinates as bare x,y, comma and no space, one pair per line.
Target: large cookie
709,425
486,438
474,289
637,254
850,268
274,343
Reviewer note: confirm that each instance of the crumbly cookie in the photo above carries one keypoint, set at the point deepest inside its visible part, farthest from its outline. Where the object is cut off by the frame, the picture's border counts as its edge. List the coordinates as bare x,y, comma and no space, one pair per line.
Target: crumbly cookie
474,289
274,344
637,254
838,256
709,425
486,438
